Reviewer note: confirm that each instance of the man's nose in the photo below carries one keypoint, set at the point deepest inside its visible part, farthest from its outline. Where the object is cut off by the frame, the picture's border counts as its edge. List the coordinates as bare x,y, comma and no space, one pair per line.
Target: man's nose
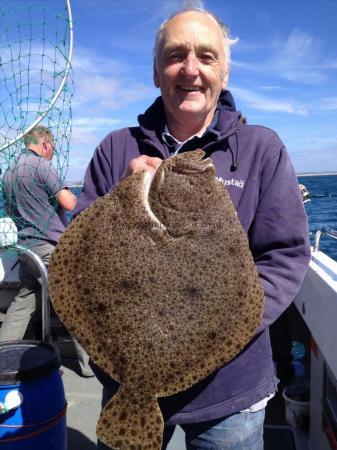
191,65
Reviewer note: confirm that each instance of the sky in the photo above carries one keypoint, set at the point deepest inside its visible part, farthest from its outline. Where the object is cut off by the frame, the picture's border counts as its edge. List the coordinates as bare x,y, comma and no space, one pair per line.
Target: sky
283,71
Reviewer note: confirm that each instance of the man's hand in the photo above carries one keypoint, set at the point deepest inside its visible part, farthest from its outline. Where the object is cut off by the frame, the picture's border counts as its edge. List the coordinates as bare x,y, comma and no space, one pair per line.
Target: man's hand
66,199
141,164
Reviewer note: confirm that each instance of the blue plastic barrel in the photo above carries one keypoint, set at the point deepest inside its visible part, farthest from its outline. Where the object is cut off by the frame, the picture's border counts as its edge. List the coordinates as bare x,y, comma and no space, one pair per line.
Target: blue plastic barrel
39,423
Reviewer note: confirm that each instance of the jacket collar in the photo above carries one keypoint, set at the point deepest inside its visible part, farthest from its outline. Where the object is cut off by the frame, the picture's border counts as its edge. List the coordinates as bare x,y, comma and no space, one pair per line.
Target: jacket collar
152,122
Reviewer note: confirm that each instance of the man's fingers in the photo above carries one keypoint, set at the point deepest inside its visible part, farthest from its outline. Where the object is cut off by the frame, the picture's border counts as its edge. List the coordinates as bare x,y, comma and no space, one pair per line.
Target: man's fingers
153,162
143,163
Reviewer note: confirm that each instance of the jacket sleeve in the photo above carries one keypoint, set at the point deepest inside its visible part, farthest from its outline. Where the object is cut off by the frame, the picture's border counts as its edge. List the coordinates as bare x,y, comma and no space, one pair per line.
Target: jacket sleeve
98,178
279,236
50,178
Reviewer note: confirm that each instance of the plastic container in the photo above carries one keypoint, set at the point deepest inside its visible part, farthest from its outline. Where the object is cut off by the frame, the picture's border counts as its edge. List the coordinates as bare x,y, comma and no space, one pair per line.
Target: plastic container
29,371
297,406
299,371
8,232
297,350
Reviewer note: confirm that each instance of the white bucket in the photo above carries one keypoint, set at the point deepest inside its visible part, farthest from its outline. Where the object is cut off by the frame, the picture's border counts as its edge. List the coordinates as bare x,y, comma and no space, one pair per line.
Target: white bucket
8,232
296,411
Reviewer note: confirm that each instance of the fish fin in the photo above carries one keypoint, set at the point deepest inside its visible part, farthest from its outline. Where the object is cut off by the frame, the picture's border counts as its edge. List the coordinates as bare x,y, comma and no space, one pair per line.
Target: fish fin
131,422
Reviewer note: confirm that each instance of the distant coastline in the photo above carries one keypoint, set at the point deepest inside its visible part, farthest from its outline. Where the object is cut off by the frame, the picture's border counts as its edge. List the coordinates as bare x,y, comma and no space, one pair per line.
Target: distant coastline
79,184
315,174
74,184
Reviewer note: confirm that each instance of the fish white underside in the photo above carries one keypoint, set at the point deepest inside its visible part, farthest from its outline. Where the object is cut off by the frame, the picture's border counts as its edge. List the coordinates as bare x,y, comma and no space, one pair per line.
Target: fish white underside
148,177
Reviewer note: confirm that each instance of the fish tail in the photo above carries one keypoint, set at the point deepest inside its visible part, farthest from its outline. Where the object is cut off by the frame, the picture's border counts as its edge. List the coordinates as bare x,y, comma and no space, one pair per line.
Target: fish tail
130,422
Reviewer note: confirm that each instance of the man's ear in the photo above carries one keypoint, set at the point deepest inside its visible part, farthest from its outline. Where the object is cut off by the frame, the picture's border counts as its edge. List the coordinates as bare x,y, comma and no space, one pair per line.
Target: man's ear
155,75
44,148
225,78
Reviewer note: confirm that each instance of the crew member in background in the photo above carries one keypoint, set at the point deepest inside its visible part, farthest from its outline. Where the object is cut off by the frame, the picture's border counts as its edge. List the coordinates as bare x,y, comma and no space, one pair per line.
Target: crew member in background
36,200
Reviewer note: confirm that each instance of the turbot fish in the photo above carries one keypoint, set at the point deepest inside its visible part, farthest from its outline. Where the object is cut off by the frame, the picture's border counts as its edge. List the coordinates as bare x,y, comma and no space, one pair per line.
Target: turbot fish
157,282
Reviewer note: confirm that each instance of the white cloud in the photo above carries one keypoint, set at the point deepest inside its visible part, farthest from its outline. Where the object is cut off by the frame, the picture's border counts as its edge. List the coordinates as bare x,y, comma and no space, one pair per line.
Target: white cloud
298,58
89,130
330,64
94,122
299,47
272,88
86,60
314,153
82,136
133,7
263,103
321,141
104,84
243,65
102,93
327,104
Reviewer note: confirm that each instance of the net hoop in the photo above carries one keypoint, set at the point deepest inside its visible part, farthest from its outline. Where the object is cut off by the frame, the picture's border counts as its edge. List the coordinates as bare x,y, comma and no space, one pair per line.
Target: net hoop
58,92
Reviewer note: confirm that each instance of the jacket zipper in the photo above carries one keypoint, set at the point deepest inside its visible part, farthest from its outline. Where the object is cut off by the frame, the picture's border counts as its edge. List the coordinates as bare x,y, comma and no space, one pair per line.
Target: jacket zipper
223,138
207,146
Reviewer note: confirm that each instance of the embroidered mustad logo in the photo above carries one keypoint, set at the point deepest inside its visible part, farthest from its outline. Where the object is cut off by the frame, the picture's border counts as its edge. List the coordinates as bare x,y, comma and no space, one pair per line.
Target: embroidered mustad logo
232,182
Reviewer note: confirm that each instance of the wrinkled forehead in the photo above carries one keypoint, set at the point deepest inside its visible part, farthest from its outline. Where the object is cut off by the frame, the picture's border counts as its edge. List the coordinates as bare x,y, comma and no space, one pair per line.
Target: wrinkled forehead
193,30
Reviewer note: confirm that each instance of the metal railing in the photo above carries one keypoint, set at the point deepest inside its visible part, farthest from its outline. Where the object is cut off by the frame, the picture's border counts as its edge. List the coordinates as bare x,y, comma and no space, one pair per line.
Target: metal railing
324,231
8,240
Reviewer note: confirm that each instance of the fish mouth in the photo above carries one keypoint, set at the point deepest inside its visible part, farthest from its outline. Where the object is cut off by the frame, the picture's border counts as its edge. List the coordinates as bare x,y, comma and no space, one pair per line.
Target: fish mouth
193,167
184,166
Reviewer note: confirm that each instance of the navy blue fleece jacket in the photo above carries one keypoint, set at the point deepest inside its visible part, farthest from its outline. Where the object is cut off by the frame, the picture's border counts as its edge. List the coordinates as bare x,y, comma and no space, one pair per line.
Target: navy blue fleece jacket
253,164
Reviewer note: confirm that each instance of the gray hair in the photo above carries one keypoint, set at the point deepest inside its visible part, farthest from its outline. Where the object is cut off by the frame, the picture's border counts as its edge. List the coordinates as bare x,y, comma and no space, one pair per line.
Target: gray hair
228,41
38,134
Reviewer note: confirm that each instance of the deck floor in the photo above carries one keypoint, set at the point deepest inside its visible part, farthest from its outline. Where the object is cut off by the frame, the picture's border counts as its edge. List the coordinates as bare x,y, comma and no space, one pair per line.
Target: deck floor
84,396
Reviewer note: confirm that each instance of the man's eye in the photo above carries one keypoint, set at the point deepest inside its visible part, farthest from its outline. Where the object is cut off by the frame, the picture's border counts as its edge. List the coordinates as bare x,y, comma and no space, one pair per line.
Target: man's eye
176,56
207,57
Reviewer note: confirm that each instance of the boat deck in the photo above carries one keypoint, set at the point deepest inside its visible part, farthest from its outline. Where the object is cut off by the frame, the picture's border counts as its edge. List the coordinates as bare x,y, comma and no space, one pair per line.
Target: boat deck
84,396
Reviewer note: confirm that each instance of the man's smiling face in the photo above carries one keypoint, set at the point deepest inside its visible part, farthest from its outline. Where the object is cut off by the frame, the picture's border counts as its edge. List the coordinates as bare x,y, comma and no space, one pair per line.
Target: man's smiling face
190,68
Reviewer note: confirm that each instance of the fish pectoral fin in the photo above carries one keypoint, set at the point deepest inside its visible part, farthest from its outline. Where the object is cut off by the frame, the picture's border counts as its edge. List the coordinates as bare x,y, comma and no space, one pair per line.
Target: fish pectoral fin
131,421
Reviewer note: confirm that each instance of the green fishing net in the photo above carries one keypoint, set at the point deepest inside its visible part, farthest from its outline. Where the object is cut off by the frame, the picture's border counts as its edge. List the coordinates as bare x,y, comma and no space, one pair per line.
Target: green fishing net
36,88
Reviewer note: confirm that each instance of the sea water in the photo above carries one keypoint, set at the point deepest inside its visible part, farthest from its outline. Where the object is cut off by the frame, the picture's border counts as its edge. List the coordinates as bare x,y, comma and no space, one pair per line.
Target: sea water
321,209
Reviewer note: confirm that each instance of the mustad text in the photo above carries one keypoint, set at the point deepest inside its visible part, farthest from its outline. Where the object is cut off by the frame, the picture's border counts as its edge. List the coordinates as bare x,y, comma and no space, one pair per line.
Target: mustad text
232,182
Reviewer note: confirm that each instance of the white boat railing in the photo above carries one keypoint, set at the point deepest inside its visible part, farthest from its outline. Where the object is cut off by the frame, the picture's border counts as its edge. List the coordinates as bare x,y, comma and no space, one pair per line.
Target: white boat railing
8,240
324,231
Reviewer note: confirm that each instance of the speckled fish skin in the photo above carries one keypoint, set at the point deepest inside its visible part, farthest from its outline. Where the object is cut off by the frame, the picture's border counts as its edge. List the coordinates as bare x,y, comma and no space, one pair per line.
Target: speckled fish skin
160,289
